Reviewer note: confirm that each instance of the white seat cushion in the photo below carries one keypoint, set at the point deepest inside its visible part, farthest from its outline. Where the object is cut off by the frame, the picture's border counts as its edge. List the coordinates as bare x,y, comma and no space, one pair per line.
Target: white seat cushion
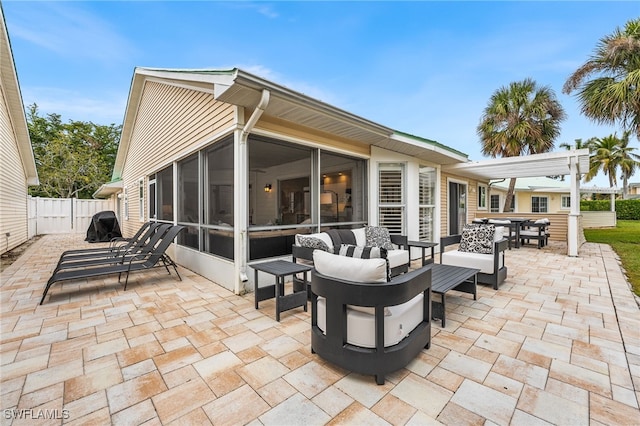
484,262
361,327
397,257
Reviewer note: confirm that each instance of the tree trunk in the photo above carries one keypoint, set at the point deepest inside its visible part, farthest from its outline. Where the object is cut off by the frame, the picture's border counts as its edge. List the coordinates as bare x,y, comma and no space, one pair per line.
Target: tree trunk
510,191
625,187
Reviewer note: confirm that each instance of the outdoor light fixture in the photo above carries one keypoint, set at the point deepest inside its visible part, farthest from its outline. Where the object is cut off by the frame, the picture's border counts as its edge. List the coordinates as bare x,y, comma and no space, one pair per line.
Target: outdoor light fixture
267,188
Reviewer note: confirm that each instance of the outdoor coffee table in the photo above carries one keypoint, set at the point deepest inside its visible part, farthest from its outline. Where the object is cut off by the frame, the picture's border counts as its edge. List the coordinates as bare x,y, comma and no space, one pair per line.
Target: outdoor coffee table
280,269
449,277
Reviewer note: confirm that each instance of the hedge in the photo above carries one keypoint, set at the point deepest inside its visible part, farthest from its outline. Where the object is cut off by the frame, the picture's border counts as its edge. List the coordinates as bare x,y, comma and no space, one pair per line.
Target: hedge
625,209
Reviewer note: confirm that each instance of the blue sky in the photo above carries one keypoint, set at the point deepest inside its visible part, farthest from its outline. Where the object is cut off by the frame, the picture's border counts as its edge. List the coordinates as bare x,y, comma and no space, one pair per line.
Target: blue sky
425,68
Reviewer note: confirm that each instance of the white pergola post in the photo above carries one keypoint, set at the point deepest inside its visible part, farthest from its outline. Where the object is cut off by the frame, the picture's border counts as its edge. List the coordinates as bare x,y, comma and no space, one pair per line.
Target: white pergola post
574,215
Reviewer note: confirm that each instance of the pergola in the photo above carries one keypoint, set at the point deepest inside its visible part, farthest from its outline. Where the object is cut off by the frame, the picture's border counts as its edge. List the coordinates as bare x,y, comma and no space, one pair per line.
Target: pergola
573,163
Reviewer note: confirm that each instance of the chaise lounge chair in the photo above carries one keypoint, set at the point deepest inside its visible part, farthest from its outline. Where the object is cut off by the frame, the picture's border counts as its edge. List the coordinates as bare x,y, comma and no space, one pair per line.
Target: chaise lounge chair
140,262
116,256
116,245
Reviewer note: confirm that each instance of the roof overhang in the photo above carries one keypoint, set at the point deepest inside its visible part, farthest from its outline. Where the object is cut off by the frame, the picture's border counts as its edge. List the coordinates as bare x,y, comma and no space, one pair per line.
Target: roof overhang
548,164
108,189
243,89
11,92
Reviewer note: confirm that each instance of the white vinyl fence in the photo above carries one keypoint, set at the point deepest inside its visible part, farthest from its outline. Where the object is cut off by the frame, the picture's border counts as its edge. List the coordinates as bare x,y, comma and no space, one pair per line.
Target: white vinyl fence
63,215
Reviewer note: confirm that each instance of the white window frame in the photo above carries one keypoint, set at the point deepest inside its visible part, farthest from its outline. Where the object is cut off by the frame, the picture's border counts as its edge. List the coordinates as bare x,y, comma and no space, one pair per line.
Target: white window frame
482,196
546,204
562,202
141,199
125,202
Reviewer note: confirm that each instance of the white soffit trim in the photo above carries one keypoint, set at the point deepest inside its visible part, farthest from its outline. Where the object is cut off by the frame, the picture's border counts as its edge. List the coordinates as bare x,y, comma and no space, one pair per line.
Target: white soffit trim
548,164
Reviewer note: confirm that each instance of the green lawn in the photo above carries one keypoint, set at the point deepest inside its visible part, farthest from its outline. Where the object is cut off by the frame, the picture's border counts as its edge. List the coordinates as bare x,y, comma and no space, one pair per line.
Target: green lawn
625,241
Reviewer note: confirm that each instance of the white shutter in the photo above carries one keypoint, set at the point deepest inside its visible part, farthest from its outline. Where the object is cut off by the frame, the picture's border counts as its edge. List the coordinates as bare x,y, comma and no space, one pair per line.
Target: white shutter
427,200
391,203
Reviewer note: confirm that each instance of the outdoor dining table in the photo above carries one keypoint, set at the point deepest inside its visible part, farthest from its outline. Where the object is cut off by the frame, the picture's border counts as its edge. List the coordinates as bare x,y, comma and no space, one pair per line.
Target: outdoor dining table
517,225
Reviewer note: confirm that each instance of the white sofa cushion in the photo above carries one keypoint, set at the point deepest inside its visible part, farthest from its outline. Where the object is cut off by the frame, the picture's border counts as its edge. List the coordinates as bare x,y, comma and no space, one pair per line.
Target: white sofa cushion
397,257
350,268
481,261
361,327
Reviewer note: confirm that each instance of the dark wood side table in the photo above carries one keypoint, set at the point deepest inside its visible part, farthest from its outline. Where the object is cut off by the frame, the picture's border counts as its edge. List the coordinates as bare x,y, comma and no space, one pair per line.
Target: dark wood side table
423,245
280,269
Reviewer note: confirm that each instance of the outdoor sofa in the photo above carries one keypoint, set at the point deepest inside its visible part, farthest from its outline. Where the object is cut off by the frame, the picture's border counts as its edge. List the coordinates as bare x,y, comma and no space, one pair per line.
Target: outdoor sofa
396,246
364,323
480,246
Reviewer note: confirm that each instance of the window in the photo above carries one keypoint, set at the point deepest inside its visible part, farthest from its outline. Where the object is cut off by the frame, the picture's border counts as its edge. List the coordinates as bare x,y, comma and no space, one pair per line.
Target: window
152,199
482,197
218,195
188,199
141,199
566,201
341,189
495,203
539,204
164,192
391,203
125,202
427,202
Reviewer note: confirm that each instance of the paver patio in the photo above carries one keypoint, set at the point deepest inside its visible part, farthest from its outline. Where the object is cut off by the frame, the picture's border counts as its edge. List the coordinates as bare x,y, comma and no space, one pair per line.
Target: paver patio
559,343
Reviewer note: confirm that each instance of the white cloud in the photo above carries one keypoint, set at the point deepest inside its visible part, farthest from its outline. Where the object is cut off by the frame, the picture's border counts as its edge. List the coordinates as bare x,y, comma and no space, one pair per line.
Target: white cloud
103,109
68,30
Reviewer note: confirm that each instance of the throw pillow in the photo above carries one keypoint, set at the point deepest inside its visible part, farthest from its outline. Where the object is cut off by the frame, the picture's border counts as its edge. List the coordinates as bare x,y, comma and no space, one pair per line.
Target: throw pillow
314,243
477,239
378,236
372,270
364,253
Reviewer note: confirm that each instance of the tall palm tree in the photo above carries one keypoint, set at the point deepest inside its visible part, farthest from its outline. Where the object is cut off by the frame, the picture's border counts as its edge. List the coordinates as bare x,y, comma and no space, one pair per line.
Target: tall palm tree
520,119
608,82
629,162
610,154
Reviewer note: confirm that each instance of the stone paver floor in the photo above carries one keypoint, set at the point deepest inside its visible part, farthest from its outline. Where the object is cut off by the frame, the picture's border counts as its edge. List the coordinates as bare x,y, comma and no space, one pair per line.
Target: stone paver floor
559,344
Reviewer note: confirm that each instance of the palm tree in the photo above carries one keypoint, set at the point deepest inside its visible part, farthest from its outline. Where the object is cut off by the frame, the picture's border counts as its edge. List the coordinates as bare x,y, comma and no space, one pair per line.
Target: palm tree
520,119
608,82
611,153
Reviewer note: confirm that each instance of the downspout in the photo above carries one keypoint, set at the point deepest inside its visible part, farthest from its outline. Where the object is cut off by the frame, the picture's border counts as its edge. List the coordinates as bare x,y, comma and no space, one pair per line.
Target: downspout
243,185
489,193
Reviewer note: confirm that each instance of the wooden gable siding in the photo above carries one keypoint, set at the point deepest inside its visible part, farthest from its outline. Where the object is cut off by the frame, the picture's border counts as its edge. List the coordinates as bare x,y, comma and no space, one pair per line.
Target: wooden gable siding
170,121
13,190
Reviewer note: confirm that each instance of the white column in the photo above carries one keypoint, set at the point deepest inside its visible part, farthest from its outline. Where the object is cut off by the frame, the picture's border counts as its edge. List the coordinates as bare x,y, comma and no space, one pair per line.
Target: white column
574,214
613,202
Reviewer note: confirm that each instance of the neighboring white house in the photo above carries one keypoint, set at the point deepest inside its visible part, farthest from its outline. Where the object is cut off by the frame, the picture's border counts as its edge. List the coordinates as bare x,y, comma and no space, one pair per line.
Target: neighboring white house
17,165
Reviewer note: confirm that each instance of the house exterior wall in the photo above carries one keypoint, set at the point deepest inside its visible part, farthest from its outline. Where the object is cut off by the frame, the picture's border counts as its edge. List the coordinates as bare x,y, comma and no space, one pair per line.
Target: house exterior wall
523,202
171,123
13,191
472,200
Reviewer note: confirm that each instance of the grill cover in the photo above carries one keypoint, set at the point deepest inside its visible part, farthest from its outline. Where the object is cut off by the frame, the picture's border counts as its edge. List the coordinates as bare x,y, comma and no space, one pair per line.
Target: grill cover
103,227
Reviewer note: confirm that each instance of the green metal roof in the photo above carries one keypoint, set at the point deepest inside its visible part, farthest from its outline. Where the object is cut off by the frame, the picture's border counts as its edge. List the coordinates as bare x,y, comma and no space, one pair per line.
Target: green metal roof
432,142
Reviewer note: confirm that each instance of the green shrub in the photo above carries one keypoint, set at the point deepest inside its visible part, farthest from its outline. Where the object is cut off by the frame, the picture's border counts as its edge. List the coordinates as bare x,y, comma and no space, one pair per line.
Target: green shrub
628,209
625,209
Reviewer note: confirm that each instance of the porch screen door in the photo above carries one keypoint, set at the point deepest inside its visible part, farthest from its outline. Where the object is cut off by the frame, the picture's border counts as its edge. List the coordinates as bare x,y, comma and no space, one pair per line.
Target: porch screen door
457,207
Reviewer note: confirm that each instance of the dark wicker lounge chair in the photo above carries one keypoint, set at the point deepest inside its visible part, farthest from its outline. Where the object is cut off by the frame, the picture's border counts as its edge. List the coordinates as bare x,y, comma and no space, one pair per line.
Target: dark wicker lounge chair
116,256
140,262
116,245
